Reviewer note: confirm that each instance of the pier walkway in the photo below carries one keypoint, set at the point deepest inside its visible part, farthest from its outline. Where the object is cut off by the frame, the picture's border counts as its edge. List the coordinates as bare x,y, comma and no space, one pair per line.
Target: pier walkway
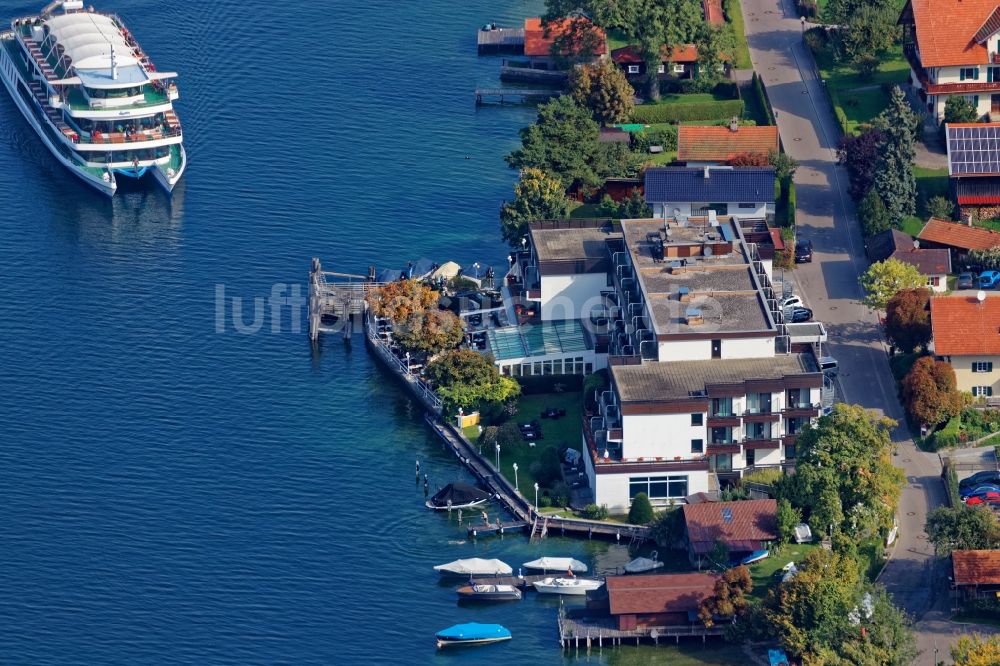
500,40
594,632
498,95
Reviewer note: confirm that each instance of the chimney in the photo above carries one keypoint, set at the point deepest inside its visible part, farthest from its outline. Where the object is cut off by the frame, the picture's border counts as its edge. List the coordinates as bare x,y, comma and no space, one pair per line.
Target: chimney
734,124
967,218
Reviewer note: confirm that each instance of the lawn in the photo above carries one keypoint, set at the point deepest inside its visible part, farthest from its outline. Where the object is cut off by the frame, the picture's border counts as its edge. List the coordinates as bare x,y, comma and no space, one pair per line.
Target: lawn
617,39
555,434
735,14
689,652
763,572
584,211
930,183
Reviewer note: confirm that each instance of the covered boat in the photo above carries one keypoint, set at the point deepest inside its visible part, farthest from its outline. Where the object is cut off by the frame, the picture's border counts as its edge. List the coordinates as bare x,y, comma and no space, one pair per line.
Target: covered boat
556,564
474,566
642,565
572,586
472,633
755,556
489,592
457,495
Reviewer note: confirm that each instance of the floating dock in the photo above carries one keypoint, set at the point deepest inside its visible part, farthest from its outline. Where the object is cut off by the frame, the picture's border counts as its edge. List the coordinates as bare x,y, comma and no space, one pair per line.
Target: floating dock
500,41
514,95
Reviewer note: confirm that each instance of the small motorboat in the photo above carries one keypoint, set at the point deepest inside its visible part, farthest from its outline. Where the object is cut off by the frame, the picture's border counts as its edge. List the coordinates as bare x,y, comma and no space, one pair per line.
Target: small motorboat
573,586
642,565
475,566
457,495
472,633
755,556
556,564
489,593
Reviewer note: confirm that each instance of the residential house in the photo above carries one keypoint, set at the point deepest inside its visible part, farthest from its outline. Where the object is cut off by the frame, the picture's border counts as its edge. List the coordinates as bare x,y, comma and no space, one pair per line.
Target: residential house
637,602
960,238
933,263
679,63
684,191
976,574
699,145
974,168
952,49
743,527
966,334
705,383
580,41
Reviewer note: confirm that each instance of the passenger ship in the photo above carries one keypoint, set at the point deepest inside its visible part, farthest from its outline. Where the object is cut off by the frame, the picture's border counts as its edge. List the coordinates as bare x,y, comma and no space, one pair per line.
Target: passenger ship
95,99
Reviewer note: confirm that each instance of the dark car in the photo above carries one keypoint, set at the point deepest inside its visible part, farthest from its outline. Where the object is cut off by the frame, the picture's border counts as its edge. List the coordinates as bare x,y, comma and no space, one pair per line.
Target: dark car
966,281
980,479
800,315
803,252
979,490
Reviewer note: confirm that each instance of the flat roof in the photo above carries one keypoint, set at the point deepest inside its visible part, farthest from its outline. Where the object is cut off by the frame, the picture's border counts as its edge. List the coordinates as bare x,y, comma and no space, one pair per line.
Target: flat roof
570,244
529,340
679,379
715,278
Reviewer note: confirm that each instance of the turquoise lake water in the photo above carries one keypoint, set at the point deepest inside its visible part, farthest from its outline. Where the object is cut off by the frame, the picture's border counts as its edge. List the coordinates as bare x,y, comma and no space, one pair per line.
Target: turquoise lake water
173,491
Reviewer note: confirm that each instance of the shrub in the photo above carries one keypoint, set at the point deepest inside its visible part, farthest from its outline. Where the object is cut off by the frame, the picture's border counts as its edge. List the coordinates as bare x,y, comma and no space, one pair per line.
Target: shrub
761,93
940,207
767,476
951,484
790,189
641,511
661,136
595,512
929,392
560,493
678,111
550,384
547,469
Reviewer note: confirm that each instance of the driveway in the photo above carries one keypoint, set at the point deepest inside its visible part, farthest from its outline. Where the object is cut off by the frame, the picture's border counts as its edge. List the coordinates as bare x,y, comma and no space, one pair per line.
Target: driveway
830,285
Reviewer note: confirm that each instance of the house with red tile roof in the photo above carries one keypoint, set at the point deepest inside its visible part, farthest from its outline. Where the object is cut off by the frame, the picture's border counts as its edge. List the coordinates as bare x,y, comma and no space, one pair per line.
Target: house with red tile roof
703,146
681,62
976,573
952,48
933,263
744,527
957,236
577,38
636,602
966,334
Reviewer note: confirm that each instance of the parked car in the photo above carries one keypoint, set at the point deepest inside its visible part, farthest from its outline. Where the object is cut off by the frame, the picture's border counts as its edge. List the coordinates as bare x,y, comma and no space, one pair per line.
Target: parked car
800,315
986,477
989,279
803,252
791,301
966,281
986,498
978,490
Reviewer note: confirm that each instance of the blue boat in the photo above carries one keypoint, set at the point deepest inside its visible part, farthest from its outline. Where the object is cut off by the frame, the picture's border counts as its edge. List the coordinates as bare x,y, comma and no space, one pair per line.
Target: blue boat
472,633
755,556
777,657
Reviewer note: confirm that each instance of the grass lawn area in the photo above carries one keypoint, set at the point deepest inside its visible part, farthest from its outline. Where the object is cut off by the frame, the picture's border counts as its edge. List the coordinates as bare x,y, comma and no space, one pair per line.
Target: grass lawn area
617,39
977,618
691,98
860,99
860,106
762,572
688,653
912,225
555,433
930,183
735,13
584,211
659,159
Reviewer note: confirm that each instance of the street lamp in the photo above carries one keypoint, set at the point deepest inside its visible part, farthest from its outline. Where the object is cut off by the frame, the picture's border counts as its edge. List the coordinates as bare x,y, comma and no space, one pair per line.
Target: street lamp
803,25
536,497
515,478
407,362
498,456
476,266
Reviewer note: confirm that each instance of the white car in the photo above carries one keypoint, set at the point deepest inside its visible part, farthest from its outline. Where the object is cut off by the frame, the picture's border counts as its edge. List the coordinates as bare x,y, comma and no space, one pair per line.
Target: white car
791,302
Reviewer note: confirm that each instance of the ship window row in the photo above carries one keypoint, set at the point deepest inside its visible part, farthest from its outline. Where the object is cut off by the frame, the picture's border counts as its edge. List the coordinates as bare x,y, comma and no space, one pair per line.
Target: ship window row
129,155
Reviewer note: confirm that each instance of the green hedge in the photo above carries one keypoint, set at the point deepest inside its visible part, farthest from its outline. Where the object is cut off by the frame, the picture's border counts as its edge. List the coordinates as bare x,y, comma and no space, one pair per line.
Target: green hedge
680,111
790,189
660,136
951,484
548,383
761,94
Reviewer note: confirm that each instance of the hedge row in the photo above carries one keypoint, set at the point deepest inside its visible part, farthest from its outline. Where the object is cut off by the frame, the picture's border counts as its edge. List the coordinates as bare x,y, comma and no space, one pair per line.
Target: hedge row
661,136
677,112
791,203
761,94
548,383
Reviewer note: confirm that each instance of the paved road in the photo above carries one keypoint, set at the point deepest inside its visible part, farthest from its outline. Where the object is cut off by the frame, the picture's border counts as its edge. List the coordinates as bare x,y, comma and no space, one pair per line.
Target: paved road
830,287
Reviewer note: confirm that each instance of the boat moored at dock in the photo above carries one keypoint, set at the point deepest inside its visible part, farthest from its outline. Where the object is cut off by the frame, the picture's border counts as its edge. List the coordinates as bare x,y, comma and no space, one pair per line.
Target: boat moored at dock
457,495
93,96
489,592
472,633
556,564
570,586
475,566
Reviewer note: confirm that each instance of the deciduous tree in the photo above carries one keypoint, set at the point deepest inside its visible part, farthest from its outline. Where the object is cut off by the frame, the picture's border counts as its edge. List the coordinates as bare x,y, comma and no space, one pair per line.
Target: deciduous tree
859,155
729,596
467,379
604,89
400,299
976,650
788,518
430,331
940,207
908,319
750,160
962,528
885,279
716,46
845,460
930,392
537,196
635,207
870,31
894,179
783,163
958,109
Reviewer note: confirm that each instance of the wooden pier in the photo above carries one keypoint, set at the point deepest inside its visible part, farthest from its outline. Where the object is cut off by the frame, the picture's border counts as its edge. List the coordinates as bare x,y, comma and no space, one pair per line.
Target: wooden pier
601,632
500,41
493,529
523,582
340,297
514,95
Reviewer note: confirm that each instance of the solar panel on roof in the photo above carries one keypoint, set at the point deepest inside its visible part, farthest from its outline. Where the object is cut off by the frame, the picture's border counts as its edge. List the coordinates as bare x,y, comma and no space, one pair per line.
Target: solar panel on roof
974,150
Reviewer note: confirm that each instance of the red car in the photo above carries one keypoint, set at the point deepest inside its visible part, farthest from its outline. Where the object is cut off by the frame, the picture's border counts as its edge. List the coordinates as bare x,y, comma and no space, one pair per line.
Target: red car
991,497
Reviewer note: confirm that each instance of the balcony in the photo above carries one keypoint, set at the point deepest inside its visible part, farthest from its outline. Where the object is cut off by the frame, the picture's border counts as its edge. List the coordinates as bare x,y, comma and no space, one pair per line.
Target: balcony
615,463
724,421
754,443
722,448
801,410
757,416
